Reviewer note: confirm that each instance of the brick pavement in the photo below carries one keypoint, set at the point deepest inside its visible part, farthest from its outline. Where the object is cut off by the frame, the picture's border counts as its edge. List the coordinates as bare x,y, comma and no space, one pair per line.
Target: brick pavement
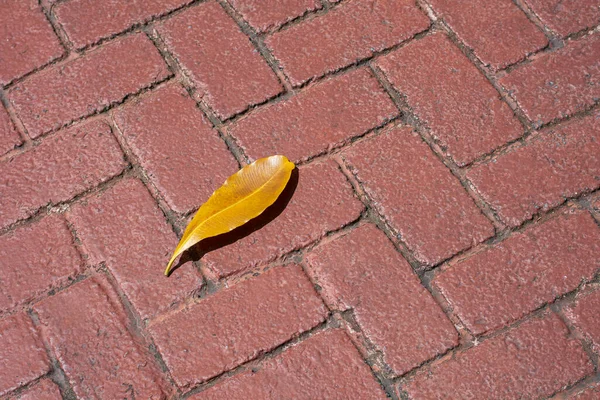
440,238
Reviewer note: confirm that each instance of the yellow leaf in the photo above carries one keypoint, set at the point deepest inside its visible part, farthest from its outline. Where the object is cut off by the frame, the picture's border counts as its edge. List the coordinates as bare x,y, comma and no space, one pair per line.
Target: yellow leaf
243,196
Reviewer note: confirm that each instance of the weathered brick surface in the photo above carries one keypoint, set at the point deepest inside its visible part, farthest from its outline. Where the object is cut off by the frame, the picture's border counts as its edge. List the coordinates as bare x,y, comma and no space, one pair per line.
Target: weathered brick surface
227,69
583,313
381,288
531,361
498,31
323,201
435,220
86,84
267,14
353,31
567,16
184,158
88,21
213,336
560,83
320,117
9,137
325,366
45,390
49,173
555,164
87,329
590,393
28,41
36,257
22,353
509,280
124,228
450,95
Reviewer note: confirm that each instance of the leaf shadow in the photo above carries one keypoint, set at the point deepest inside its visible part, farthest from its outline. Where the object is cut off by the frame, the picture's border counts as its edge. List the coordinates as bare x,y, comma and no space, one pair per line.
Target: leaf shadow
198,251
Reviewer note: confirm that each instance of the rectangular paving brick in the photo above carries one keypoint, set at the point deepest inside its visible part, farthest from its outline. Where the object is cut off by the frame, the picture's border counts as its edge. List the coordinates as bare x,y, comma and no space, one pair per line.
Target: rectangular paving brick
321,117
451,97
237,324
353,31
267,14
417,194
45,390
124,227
497,30
560,83
49,173
227,70
583,313
509,280
37,257
567,16
22,353
364,272
175,144
9,137
86,84
533,360
324,366
555,164
87,21
87,329
322,202
28,41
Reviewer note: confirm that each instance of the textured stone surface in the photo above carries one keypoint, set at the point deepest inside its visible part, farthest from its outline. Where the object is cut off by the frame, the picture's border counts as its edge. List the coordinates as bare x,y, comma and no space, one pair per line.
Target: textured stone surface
227,70
554,164
323,201
590,393
450,95
362,271
318,118
184,158
267,14
87,329
560,83
326,366
533,360
213,336
435,220
86,84
124,228
45,390
584,315
22,353
37,257
88,21
509,280
497,30
28,41
49,173
567,16
353,31
9,137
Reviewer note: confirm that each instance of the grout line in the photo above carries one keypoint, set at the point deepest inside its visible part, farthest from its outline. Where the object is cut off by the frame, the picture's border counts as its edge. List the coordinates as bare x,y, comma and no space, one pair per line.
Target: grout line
552,36
17,124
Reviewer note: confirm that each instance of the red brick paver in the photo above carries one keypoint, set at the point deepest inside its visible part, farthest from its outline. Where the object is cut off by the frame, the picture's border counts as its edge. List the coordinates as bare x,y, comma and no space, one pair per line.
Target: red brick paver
21,351
226,68
87,330
379,285
533,360
212,336
305,371
449,94
353,31
49,173
9,137
435,220
28,41
45,390
266,14
567,16
584,315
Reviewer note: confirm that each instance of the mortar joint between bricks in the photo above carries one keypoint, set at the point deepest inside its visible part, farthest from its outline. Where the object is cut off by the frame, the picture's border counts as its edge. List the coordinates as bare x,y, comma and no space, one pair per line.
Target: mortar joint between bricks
60,33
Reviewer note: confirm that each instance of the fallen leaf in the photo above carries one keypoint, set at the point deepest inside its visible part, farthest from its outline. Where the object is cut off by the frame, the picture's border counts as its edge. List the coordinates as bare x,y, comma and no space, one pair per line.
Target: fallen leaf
243,196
